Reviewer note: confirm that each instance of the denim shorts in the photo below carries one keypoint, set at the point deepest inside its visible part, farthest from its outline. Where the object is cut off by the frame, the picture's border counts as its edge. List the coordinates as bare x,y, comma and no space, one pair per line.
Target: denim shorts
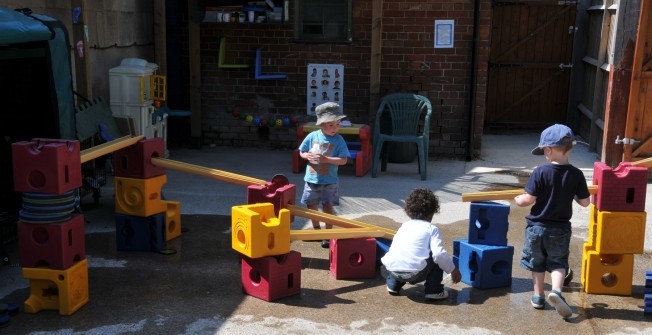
545,248
326,194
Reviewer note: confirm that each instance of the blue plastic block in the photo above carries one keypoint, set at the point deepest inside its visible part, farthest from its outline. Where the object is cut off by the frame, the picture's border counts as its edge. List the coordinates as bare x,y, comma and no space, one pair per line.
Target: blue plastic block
382,247
456,246
648,299
485,266
136,233
488,223
647,310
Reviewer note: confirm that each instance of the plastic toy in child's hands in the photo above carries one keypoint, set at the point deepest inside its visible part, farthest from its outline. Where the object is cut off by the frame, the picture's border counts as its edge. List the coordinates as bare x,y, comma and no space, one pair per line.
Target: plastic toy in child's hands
315,151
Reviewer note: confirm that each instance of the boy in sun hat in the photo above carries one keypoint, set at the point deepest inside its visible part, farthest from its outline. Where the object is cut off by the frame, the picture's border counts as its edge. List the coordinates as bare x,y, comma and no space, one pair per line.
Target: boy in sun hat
551,190
325,150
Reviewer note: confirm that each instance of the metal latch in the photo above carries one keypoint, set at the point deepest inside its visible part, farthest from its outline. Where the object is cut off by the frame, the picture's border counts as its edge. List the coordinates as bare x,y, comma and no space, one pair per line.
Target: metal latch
563,66
626,141
572,30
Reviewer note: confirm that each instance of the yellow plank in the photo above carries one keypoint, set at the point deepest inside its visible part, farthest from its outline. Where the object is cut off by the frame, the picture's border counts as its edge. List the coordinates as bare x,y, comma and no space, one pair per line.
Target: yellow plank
338,221
108,147
207,172
504,195
326,234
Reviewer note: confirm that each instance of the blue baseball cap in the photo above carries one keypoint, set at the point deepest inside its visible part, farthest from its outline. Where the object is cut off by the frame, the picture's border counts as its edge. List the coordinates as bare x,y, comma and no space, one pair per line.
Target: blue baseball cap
557,135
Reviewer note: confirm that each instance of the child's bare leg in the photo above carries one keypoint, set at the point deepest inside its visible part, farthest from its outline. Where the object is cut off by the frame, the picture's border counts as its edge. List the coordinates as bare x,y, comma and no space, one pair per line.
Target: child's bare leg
315,223
328,209
557,276
538,279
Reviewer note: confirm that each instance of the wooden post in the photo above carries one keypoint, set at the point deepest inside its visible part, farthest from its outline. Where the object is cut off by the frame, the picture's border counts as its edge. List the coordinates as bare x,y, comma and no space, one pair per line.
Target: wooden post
160,43
83,69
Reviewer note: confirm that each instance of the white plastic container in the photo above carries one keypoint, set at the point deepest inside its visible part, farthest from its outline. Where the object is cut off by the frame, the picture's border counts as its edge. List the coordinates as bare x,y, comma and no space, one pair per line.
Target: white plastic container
129,83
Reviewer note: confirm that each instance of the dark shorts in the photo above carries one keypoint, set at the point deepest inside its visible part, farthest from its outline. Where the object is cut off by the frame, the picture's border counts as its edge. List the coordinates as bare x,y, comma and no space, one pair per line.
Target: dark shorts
545,248
315,194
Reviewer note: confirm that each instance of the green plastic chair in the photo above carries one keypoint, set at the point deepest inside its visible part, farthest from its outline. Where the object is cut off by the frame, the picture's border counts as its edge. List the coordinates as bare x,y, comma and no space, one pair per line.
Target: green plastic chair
406,112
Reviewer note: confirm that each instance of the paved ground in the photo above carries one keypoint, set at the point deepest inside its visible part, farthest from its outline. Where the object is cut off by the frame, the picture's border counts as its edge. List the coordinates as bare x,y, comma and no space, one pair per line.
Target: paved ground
197,290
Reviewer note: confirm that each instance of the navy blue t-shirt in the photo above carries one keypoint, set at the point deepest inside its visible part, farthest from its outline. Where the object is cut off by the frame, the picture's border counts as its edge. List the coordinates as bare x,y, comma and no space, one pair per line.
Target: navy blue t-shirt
555,187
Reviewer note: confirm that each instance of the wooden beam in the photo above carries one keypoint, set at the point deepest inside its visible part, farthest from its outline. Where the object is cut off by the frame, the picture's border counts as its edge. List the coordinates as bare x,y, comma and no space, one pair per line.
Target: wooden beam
108,147
338,221
504,195
207,172
326,234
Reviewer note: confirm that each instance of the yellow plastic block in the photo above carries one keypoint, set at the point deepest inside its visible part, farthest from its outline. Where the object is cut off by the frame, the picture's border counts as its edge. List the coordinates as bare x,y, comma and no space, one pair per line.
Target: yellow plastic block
63,290
139,197
172,219
257,232
617,232
585,252
607,273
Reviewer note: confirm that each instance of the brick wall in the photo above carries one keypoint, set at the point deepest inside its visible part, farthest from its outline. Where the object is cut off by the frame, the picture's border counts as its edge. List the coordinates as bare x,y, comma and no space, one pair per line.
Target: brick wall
409,63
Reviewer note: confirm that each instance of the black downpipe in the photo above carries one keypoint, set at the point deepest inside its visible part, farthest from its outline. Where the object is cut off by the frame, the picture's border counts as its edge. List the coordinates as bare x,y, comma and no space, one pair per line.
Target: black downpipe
474,75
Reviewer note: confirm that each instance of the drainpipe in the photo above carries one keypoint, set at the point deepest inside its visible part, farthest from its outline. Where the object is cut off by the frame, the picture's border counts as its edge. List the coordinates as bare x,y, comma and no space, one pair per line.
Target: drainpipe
474,75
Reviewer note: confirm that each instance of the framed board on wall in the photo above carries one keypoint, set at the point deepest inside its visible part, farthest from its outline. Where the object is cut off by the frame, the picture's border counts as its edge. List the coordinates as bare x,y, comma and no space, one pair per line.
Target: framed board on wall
325,83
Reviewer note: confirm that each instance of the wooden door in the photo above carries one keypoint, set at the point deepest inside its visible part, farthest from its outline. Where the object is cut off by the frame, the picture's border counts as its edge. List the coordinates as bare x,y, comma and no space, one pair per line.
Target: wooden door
529,63
638,132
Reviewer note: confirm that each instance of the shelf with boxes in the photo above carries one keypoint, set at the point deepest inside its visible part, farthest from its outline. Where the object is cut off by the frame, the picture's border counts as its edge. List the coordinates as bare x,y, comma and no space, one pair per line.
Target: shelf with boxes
255,12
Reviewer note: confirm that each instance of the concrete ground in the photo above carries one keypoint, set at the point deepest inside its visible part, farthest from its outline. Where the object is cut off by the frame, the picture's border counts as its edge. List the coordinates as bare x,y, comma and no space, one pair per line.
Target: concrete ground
198,289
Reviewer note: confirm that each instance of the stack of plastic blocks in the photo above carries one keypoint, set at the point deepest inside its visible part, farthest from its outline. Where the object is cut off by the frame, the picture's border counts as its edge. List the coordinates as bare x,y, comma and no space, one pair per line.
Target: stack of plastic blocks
485,259
144,222
51,237
616,229
269,269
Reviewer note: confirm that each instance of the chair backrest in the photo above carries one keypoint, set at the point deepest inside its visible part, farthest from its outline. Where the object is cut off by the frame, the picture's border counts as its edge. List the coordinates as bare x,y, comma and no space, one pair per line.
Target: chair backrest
406,111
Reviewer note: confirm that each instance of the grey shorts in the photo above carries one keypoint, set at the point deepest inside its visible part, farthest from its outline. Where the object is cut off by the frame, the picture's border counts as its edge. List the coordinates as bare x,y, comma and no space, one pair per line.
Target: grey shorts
325,194
545,248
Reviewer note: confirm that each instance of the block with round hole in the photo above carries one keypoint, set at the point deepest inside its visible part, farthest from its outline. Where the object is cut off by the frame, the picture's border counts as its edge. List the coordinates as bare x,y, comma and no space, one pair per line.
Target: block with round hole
46,166
607,273
485,266
54,245
172,219
272,277
352,258
257,232
135,161
62,290
488,223
139,197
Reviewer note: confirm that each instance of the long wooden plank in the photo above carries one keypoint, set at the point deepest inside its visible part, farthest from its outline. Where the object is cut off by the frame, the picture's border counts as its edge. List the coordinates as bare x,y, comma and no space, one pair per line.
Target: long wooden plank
337,221
504,195
325,234
108,147
207,172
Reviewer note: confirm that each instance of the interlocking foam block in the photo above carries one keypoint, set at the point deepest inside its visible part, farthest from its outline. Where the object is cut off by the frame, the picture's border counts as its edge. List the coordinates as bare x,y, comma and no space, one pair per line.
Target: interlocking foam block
616,232
382,247
272,277
280,197
46,166
353,258
54,245
257,232
488,223
607,273
485,266
621,189
139,197
136,233
135,161
172,219
62,290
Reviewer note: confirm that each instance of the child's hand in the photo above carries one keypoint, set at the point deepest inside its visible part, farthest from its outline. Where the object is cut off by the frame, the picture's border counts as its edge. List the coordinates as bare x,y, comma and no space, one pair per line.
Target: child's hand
456,276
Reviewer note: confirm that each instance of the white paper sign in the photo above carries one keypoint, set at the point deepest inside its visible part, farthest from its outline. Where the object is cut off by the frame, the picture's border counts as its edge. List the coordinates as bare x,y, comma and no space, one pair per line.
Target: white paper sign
444,33
325,83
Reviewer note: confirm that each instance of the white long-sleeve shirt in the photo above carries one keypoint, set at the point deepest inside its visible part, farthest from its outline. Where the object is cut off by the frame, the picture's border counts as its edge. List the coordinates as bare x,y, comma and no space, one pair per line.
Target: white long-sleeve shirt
412,244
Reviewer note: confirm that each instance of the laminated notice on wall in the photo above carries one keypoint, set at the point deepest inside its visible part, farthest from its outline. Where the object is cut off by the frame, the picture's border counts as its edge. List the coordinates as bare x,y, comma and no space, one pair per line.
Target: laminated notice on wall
325,83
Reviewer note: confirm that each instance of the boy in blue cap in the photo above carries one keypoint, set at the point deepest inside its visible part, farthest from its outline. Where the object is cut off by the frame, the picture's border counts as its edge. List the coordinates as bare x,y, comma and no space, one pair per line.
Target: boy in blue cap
551,190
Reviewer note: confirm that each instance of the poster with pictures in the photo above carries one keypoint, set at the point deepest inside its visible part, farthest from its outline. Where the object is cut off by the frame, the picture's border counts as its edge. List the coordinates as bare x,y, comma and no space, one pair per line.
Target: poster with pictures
325,83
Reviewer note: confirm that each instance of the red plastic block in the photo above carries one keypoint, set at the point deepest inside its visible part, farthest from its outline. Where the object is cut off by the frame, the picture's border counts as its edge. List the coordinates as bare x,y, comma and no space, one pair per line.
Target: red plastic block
56,245
135,161
46,166
272,277
353,258
280,197
620,190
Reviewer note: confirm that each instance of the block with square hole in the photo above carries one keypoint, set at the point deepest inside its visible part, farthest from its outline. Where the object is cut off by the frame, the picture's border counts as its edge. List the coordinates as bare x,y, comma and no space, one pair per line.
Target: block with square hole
616,232
272,277
488,223
62,290
622,189
485,266
137,233
46,166
257,232
54,245
135,161
139,197
607,273
172,219
277,193
352,258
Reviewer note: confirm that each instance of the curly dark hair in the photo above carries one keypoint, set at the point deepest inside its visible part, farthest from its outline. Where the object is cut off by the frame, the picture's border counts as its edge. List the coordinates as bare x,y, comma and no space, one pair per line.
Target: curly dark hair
421,204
